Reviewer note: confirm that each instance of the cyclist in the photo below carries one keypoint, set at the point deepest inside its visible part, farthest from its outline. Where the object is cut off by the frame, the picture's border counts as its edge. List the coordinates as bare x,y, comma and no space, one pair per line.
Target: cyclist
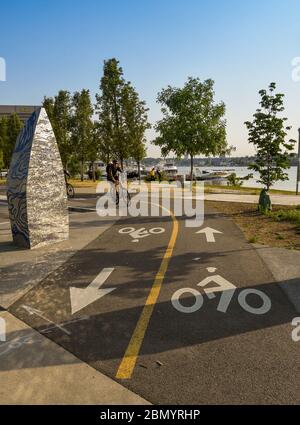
112,170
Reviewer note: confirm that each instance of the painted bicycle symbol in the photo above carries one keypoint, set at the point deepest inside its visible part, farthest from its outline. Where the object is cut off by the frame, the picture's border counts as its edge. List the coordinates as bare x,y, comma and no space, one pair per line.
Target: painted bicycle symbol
227,289
141,233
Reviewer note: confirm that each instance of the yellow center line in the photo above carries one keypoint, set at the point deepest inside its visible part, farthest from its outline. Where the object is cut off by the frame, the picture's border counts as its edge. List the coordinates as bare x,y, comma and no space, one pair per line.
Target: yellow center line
128,362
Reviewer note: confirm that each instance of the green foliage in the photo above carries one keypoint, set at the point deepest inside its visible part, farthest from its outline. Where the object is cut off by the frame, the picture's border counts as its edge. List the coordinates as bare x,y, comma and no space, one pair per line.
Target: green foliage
3,140
233,180
82,128
135,122
59,113
10,128
73,167
267,133
121,127
122,116
71,119
109,108
1,159
292,215
192,122
253,239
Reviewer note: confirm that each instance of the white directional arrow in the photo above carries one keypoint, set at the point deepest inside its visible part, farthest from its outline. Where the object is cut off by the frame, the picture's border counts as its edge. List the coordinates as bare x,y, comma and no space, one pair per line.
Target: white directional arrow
80,298
209,233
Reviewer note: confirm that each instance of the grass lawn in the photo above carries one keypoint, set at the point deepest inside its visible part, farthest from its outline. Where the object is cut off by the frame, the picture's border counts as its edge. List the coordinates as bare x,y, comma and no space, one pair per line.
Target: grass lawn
245,190
281,228
85,183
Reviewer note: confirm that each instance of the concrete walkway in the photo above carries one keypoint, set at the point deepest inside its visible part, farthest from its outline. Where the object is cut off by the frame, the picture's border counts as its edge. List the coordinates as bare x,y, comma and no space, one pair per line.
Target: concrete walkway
35,370
252,199
284,265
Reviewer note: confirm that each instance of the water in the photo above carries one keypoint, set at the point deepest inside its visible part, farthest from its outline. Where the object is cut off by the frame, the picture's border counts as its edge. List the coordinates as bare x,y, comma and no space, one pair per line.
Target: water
290,184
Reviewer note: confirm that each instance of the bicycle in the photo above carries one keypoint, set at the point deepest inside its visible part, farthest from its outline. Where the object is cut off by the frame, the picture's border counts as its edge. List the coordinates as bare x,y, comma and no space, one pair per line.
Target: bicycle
70,190
122,191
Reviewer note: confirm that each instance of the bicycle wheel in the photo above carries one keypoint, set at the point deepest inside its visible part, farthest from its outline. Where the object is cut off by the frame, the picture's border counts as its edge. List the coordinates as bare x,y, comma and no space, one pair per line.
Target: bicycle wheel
70,191
115,195
126,197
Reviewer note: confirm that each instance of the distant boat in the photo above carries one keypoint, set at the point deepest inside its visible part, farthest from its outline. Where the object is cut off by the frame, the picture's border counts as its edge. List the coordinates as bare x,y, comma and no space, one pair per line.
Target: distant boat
203,175
133,170
169,169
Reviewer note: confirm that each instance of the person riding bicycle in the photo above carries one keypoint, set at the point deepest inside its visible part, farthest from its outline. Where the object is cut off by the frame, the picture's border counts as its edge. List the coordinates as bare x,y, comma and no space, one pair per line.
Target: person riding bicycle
112,170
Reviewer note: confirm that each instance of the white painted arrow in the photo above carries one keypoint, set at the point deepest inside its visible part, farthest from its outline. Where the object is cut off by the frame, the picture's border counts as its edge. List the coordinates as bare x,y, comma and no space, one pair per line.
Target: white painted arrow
80,298
209,233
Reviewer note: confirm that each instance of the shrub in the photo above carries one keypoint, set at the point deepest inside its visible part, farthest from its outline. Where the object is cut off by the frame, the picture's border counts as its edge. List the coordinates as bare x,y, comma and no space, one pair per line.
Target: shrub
233,180
292,215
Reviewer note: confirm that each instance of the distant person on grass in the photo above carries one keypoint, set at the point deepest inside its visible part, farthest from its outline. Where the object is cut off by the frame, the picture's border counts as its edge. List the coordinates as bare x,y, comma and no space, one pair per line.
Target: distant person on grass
152,174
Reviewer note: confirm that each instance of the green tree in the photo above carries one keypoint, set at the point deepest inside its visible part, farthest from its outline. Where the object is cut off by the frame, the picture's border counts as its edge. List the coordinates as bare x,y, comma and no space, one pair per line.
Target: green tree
3,140
48,104
192,122
136,123
82,128
109,109
267,132
1,159
101,140
59,113
14,126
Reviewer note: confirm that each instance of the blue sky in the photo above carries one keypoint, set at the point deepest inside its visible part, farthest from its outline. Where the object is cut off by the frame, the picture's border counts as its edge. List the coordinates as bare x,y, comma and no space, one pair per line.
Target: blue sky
243,45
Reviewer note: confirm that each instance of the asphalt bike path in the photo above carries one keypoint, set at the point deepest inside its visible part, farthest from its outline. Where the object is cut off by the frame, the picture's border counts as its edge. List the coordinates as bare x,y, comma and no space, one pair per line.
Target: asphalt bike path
175,315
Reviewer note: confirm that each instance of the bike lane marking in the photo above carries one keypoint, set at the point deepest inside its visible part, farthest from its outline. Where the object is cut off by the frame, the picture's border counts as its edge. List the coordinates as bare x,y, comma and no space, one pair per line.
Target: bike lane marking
129,360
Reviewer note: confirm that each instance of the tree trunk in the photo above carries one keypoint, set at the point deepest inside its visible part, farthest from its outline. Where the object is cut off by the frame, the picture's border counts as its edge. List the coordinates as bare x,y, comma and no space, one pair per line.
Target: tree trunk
192,171
93,171
269,162
82,165
139,170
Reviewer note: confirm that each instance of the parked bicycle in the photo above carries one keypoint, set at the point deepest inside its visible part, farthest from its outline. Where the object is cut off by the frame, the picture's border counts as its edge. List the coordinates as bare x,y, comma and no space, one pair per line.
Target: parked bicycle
70,190
69,187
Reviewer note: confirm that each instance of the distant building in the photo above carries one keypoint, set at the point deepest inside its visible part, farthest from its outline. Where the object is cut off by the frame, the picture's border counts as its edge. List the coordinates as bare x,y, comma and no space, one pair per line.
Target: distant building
23,111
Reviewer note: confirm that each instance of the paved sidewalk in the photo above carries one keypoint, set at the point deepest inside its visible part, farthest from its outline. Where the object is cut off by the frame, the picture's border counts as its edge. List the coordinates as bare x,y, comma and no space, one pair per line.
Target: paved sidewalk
284,265
35,370
22,269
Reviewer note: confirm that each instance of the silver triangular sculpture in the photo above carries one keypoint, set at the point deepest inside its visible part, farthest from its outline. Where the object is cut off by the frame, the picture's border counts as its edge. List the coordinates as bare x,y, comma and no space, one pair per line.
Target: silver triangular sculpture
36,188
